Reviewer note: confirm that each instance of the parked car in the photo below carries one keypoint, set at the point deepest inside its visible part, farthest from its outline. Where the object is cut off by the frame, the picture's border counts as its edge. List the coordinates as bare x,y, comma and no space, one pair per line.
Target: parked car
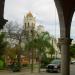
54,66
72,62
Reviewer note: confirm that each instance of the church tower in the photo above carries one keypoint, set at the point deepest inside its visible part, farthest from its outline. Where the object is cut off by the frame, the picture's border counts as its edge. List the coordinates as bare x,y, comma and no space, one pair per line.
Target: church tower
29,24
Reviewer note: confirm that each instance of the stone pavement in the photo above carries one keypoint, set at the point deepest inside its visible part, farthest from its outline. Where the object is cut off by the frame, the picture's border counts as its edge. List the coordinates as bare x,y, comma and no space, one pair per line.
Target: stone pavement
26,72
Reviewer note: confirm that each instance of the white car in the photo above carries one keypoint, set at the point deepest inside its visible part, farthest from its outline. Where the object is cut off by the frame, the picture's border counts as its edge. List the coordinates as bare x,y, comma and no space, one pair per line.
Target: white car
73,62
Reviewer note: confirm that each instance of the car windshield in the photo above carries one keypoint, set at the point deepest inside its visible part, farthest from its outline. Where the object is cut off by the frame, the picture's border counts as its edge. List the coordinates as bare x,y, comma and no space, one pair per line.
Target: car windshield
56,61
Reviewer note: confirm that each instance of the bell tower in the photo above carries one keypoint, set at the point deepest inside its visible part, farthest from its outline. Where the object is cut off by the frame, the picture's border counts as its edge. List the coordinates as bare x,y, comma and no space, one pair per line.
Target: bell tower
29,24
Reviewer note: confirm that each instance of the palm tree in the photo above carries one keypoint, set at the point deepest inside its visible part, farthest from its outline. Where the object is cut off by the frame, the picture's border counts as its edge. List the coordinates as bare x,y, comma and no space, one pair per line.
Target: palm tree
41,42
51,51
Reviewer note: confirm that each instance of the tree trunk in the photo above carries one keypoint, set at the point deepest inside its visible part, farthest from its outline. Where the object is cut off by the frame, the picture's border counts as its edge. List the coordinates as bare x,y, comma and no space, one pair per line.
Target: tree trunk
32,62
39,62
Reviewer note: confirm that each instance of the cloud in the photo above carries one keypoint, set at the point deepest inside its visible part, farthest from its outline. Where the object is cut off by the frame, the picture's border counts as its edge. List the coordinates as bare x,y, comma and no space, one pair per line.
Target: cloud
44,11
42,8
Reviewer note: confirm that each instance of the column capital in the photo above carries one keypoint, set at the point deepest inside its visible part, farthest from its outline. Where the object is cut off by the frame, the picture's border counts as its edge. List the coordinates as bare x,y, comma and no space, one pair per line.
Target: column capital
2,22
66,41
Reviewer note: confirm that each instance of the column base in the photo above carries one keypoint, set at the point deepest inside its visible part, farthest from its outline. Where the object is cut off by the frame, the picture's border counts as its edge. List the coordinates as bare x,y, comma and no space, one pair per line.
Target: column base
64,41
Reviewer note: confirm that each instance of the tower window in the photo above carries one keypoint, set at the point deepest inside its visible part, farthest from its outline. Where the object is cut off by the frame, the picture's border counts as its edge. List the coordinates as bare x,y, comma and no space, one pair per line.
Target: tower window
28,24
25,25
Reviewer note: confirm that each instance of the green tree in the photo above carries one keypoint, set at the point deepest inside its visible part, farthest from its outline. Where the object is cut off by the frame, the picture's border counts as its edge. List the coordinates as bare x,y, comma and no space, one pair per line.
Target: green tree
51,50
12,52
72,51
41,43
3,44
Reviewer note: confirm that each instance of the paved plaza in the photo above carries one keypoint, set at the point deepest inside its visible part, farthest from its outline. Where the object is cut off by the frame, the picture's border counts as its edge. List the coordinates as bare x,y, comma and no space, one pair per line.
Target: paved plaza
28,72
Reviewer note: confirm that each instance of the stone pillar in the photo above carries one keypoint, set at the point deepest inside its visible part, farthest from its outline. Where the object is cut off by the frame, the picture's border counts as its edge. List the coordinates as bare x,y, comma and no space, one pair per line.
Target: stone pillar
2,20
65,61
2,3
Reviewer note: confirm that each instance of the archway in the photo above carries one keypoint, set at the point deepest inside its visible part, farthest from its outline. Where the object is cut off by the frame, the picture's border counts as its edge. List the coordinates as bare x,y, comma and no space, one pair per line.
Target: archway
65,16
53,13
72,32
73,28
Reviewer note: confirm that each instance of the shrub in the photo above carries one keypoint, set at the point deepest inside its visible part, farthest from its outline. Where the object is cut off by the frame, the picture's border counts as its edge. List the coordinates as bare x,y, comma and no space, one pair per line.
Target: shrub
2,64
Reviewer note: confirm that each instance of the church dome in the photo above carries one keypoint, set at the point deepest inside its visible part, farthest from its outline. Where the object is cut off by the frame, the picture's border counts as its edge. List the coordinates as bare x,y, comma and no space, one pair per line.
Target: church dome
29,14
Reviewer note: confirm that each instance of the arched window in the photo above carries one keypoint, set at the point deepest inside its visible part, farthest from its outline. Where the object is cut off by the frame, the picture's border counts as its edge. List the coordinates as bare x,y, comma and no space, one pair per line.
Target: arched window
25,25
28,24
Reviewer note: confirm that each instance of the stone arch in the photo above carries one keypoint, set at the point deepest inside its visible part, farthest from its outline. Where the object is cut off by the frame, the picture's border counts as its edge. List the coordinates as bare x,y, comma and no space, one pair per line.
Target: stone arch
65,18
65,14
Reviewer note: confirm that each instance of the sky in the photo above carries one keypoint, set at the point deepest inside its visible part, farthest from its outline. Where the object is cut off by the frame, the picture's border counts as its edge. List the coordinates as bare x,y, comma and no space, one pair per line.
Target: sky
44,11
